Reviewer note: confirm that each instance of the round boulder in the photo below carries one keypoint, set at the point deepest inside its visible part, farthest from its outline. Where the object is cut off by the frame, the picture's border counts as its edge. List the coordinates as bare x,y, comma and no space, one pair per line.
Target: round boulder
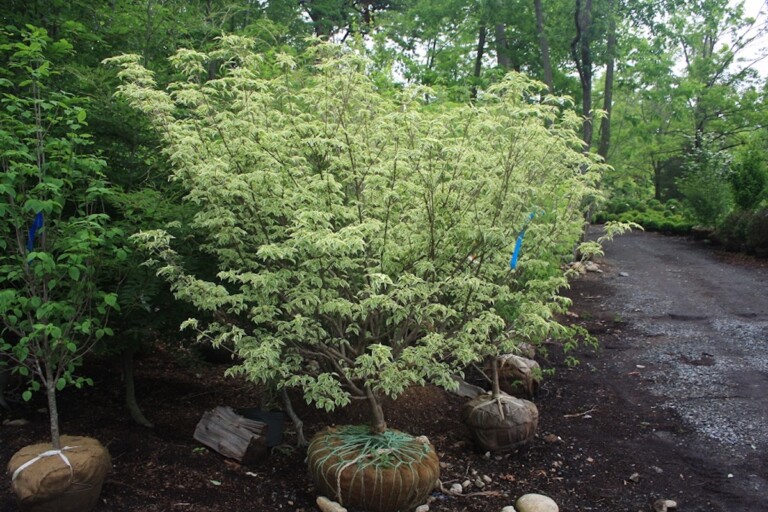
536,503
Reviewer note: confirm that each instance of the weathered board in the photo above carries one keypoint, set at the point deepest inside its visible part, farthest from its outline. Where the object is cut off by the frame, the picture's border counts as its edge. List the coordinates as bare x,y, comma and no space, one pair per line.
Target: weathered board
233,436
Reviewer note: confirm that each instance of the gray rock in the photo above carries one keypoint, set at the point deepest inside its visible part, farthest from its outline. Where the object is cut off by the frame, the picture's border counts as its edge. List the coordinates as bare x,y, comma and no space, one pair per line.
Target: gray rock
664,505
15,423
457,489
536,503
326,505
508,508
422,508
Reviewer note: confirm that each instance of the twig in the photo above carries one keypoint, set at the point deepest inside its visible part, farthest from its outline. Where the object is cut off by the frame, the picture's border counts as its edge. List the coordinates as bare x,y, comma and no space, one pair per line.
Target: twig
580,413
471,494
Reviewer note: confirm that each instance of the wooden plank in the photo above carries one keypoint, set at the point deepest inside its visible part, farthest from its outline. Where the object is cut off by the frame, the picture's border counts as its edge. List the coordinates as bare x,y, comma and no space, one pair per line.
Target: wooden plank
232,435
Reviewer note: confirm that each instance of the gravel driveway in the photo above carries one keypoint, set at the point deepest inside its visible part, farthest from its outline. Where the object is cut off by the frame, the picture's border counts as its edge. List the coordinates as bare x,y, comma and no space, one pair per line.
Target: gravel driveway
697,332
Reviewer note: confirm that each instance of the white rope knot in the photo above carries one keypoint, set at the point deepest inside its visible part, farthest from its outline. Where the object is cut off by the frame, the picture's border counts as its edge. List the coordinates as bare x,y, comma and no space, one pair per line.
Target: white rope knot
49,453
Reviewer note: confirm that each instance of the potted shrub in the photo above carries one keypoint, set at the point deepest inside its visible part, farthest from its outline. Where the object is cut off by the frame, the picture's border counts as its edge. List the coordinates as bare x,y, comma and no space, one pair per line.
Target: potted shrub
51,239
362,235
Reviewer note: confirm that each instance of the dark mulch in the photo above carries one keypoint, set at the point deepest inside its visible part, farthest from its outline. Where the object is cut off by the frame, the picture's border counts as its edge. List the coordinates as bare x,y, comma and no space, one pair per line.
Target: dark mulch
596,431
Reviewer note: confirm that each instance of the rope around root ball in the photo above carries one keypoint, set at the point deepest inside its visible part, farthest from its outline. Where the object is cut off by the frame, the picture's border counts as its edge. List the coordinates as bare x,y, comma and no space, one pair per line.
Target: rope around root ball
357,446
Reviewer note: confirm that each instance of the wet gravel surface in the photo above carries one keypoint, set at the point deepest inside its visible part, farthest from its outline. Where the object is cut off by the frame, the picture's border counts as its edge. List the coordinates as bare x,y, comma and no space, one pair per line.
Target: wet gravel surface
697,329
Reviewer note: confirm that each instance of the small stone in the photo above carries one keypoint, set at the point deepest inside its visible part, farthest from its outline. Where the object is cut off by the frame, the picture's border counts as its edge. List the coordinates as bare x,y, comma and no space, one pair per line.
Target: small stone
326,505
552,438
623,274
508,508
591,266
487,479
457,489
657,469
444,465
15,423
536,503
423,439
487,455
664,505
422,508
479,483
466,484
635,477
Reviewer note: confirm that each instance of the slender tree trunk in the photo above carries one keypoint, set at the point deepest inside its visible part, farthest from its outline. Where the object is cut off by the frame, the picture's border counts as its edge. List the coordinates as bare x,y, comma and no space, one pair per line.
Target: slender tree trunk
582,56
657,170
4,376
53,410
546,63
605,122
297,423
378,425
479,60
502,47
495,387
130,391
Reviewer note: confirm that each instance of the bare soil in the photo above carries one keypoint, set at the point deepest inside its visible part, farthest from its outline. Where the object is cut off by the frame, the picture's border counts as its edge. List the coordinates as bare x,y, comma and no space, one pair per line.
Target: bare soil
616,432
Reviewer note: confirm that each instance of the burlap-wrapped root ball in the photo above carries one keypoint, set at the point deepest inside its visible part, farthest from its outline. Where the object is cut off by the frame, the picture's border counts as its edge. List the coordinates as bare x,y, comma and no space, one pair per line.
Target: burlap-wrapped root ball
67,481
502,424
386,472
519,376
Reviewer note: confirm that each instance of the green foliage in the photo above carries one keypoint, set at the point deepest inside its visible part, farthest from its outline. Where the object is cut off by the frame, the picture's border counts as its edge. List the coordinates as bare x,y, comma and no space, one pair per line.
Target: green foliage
757,234
52,309
362,241
732,233
750,177
669,217
705,185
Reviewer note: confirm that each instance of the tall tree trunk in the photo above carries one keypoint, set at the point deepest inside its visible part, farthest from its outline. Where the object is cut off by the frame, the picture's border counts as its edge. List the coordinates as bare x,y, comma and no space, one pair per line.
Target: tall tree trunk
582,56
657,170
605,123
502,47
546,63
478,60
130,390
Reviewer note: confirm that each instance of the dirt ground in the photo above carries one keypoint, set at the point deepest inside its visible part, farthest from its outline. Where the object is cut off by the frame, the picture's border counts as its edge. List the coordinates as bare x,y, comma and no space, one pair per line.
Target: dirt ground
671,406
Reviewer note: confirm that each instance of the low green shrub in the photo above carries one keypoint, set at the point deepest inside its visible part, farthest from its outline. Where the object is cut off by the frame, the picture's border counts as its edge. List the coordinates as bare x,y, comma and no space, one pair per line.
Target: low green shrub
732,233
669,217
757,234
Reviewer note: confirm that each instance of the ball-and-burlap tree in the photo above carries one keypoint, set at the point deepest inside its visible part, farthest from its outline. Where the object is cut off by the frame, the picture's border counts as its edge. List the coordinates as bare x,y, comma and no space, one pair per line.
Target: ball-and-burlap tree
362,236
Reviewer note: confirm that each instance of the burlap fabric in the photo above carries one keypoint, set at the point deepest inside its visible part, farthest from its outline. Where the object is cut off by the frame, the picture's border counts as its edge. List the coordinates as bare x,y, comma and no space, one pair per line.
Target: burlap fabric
353,479
50,485
519,376
502,424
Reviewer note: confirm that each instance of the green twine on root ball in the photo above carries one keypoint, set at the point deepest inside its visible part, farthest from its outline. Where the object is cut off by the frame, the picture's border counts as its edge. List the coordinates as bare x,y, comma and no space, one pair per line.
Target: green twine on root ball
377,472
